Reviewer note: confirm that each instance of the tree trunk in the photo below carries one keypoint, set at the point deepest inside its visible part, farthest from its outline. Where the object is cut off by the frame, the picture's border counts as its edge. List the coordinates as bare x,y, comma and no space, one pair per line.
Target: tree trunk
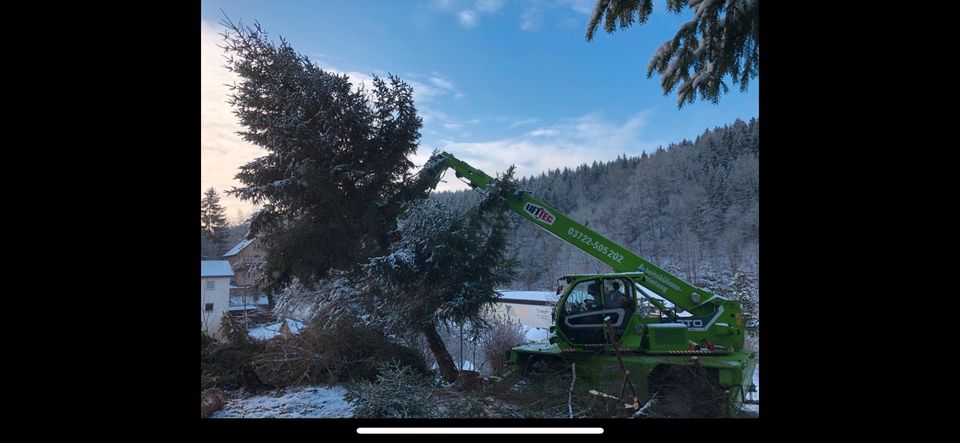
251,381
444,361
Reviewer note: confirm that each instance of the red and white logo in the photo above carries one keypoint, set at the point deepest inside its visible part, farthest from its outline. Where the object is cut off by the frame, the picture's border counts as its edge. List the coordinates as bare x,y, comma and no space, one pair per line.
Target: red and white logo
539,213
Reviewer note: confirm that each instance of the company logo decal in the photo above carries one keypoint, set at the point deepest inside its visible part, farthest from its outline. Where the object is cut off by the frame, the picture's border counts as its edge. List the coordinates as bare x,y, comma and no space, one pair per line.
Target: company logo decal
539,213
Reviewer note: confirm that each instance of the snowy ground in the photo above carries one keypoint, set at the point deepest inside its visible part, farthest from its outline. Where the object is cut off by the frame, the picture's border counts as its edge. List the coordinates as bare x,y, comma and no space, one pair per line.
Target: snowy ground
301,402
328,402
272,330
533,333
754,395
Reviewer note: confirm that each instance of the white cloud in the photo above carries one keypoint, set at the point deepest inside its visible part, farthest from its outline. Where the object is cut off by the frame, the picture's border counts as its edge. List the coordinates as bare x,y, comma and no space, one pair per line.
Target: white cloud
467,18
569,23
582,6
544,133
488,5
522,122
567,143
427,91
442,83
469,13
424,93
432,116
532,16
531,19
427,87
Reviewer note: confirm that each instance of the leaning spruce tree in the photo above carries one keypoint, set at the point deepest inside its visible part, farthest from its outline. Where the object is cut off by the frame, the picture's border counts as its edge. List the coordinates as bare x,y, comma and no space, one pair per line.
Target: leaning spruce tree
333,151
444,268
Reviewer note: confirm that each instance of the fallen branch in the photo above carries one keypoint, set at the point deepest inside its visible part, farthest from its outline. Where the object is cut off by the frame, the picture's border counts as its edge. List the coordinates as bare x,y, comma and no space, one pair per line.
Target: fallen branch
612,335
643,411
595,392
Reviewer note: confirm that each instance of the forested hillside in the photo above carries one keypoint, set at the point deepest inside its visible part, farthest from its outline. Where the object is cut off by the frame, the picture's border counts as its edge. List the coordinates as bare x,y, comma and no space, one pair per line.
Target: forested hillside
692,208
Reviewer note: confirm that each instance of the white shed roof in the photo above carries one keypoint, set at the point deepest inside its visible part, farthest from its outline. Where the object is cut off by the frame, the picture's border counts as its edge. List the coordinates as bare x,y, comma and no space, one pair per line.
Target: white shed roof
215,268
530,295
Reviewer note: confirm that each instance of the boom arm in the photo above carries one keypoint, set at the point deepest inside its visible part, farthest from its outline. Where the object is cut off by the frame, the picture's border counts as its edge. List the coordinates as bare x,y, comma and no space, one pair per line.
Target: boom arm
664,284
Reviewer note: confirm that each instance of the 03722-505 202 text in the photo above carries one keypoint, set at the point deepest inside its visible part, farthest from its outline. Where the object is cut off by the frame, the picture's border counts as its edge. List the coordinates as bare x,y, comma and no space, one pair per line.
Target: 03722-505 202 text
599,247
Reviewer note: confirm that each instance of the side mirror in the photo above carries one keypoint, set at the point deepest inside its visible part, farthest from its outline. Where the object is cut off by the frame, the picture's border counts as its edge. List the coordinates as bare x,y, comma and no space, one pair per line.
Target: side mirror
559,289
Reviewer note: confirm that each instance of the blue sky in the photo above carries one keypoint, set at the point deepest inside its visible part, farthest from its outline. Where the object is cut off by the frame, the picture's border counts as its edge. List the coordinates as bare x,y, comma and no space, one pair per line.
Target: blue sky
496,82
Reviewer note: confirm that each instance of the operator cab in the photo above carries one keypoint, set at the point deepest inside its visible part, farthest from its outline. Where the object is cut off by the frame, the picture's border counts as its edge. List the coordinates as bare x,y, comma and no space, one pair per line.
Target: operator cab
588,301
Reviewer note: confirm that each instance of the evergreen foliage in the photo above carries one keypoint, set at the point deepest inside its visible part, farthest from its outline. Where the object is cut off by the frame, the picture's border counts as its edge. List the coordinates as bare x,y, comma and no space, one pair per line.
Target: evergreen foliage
399,392
333,151
445,267
214,233
743,289
722,39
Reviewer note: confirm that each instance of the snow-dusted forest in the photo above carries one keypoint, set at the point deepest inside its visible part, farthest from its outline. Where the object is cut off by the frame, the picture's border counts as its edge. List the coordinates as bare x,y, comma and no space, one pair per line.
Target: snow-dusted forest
692,208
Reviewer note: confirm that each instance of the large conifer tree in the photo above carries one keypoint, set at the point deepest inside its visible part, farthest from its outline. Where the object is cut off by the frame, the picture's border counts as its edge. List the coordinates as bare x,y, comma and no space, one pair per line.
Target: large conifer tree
333,151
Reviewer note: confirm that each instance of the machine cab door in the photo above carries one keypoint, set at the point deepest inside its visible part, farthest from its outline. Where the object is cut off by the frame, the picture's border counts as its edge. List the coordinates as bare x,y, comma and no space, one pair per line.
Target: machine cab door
619,302
588,302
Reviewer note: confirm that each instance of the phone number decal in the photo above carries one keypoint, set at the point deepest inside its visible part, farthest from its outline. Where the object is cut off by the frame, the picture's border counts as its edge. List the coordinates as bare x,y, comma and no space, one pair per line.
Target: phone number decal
599,247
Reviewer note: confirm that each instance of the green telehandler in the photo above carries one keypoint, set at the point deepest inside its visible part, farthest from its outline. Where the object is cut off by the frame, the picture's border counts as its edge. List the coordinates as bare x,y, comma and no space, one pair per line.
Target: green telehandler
639,324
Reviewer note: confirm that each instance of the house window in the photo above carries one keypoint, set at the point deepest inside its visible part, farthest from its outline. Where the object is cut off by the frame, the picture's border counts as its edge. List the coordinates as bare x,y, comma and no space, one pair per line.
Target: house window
208,307
211,284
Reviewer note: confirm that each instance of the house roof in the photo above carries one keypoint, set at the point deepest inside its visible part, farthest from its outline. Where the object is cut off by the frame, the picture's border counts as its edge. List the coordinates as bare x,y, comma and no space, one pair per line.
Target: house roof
538,296
215,268
237,248
541,298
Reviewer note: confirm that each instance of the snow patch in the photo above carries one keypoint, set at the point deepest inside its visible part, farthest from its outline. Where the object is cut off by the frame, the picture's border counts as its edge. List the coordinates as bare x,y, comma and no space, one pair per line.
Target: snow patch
754,395
300,402
535,334
272,330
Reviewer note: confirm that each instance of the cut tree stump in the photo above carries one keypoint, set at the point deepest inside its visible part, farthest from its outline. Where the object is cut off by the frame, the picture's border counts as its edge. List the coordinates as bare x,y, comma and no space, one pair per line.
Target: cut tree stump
211,400
467,381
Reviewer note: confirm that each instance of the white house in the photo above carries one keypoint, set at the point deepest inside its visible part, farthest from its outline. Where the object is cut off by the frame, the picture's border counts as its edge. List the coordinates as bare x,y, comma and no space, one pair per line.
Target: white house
530,308
245,259
215,276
